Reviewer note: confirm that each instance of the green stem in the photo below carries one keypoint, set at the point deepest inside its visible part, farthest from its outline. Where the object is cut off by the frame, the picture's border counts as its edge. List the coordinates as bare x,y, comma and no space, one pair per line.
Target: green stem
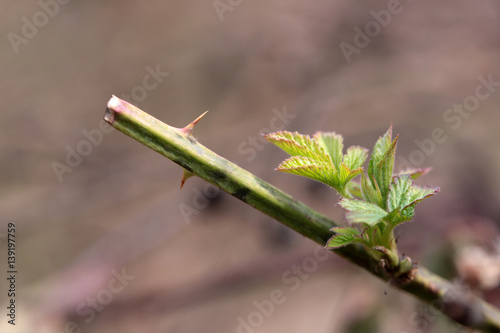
389,239
345,192
182,148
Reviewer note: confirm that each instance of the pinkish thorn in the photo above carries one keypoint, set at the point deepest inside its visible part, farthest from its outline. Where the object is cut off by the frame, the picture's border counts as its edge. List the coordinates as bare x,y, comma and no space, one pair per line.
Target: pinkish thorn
189,128
185,175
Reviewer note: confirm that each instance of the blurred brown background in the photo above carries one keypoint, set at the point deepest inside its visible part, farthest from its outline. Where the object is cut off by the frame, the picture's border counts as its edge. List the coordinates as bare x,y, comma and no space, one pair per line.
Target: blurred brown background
106,241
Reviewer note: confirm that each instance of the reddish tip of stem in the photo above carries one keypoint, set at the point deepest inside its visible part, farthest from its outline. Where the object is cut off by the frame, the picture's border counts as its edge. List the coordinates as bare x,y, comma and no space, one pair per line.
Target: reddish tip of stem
115,105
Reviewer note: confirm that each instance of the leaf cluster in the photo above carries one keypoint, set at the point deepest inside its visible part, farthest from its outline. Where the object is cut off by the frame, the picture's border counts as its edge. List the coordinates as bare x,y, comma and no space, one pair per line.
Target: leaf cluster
376,203
320,158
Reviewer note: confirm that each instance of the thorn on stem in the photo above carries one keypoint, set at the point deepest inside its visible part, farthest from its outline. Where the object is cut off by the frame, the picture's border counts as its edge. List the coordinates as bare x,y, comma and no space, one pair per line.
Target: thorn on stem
185,175
189,128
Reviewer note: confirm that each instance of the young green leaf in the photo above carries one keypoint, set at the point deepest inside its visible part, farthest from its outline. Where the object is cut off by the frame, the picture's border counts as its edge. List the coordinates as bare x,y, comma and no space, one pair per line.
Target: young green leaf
343,236
403,196
398,192
414,173
381,163
354,187
417,193
355,157
381,147
297,144
332,144
308,167
404,193
371,191
383,169
345,174
362,212
320,158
